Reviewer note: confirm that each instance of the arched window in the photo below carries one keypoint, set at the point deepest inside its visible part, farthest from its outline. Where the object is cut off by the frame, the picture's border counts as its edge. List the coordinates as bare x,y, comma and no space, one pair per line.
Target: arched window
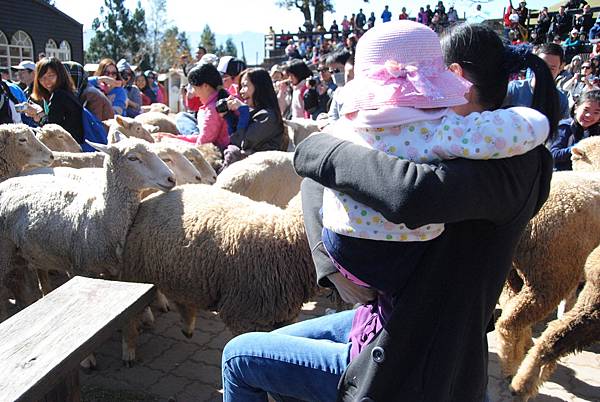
64,51
20,48
4,60
51,48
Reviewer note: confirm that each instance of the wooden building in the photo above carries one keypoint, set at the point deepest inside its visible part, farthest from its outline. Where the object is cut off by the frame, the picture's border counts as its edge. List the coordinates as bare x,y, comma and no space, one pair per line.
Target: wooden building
31,27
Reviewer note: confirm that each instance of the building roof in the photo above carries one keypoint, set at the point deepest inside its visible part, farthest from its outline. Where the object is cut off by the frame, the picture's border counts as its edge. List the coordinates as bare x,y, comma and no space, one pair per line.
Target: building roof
57,11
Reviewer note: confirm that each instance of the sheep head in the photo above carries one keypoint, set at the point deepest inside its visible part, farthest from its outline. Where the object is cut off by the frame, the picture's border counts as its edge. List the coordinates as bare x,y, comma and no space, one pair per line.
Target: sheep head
585,155
208,174
185,172
134,165
129,127
57,138
21,150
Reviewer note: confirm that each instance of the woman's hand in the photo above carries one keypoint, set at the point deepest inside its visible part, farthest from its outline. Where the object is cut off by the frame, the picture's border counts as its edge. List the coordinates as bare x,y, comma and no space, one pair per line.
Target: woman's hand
109,81
34,111
234,103
350,291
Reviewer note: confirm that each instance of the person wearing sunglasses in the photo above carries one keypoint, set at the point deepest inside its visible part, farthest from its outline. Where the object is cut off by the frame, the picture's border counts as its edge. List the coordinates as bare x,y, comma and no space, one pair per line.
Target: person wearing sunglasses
134,96
109,81
581,82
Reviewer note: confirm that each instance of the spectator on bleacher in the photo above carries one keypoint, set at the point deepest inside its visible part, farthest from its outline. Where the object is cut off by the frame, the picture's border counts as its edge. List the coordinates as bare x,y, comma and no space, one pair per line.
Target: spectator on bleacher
89,96
595,30
298,72
582,81
325,74
584,22
55,99
557,40
291,51
596,50
520,92
335,30
565,75
403,15
561,23
572,45
134,96
584,123
353,22
575,4
543,26
108,80
386,15
452,16
155,86
423,17
440,9
360,20
345,26
523,13
26,75
351,42
429,12
371,21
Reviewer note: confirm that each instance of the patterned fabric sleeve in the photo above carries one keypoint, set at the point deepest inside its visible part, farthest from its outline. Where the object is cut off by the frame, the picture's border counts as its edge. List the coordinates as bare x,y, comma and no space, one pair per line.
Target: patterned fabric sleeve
489,135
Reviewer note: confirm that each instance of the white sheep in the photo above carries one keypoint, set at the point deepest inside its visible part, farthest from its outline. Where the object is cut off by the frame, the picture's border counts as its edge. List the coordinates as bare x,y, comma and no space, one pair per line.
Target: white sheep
57,138
299,129
263,176
78,160
130,128
216,250
20,150
55,223
156,107
160,120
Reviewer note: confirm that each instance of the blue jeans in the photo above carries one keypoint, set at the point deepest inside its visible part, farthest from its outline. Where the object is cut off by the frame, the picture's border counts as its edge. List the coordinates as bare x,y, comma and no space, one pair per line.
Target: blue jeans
303,361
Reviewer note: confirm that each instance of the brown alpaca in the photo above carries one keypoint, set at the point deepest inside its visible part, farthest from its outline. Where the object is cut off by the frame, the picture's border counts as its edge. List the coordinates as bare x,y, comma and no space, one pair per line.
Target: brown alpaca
577,329
549,260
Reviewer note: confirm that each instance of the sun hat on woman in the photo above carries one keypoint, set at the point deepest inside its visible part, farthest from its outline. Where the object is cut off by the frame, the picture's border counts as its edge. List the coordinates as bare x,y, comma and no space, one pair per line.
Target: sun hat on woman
400,64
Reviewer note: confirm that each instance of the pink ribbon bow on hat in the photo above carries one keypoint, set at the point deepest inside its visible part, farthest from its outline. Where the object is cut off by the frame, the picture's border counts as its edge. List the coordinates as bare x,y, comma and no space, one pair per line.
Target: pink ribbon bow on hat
393,72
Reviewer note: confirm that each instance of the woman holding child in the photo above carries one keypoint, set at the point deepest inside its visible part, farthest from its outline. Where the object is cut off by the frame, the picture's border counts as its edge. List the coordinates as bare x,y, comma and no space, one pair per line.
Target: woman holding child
421,334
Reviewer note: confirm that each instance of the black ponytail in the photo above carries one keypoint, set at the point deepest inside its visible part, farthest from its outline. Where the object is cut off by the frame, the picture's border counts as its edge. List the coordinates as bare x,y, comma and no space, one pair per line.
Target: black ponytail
487,64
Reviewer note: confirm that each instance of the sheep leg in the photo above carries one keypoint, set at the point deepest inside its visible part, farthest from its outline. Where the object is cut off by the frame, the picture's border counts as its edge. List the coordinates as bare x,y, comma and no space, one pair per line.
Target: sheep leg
579,328
129,342
161,302
188,319
89,363
147,317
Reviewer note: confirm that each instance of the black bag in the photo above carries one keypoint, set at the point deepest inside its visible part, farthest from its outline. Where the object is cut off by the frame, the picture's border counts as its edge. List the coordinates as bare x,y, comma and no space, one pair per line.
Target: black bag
6,96
311,100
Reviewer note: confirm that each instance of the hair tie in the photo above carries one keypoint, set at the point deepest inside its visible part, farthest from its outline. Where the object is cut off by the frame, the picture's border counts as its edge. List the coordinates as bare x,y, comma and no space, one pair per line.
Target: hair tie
515,57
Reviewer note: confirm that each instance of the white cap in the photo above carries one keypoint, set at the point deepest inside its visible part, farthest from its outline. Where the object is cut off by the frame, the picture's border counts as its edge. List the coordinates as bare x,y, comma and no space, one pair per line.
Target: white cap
223,62
25,65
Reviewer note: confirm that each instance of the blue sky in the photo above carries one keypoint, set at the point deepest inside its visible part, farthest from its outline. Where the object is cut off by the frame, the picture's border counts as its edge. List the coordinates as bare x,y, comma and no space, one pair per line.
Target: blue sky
237,17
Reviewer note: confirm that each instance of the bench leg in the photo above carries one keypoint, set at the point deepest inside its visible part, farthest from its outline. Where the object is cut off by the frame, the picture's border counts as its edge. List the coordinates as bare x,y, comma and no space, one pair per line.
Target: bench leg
67,390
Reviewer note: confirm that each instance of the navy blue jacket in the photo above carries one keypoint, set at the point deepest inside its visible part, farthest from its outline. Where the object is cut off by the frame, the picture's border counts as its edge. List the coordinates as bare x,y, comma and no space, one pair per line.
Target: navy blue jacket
569,134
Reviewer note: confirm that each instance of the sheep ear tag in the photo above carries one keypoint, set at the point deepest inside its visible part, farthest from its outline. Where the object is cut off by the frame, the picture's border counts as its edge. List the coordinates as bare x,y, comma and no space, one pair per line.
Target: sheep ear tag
98,147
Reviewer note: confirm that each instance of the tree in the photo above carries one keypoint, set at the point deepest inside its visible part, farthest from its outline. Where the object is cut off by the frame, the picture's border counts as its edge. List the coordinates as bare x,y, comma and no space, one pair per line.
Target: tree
230,48
157,23
207,40
319,6
174,45
118,32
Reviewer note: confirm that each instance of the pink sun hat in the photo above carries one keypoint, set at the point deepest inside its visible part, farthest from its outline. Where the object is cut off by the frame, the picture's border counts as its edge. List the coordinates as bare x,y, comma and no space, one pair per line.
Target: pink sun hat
400,64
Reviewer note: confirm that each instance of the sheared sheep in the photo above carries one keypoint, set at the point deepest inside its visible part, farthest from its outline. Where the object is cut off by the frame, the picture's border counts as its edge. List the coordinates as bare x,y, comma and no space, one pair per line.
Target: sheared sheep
20,150
54,223
548,262
160,120
78,160
216,250
264,176
130,128
211,153
57,138
578,328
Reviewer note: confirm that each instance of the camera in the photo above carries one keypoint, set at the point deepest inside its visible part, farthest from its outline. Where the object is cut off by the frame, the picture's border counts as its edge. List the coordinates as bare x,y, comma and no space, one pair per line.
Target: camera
221,106
21,107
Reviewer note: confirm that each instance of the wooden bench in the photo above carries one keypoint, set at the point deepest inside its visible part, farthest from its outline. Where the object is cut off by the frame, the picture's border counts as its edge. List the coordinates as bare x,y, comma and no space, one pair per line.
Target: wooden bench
41,346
